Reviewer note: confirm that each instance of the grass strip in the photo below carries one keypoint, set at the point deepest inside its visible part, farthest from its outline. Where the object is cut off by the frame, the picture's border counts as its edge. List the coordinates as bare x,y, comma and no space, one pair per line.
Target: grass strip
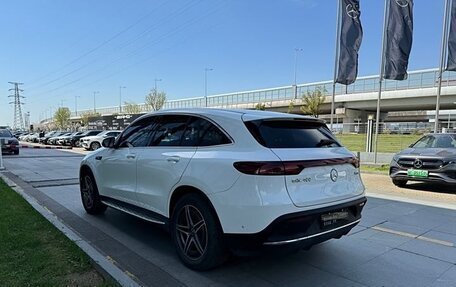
34,253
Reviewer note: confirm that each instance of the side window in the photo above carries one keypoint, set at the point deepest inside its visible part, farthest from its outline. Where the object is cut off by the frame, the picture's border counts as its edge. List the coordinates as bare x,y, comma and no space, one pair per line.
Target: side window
169,131
194,131
139,133
213,136
112,134
201,132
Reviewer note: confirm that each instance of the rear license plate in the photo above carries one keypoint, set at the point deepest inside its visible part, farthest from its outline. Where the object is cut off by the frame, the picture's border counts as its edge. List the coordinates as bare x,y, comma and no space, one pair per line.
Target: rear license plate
417,173
333,217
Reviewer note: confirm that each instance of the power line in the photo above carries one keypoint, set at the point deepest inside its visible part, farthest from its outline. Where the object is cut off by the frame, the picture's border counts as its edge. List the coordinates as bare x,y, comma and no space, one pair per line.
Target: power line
175,14
176,30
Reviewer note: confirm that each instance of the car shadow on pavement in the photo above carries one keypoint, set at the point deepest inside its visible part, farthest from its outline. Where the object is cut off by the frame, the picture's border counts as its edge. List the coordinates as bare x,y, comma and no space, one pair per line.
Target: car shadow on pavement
432,187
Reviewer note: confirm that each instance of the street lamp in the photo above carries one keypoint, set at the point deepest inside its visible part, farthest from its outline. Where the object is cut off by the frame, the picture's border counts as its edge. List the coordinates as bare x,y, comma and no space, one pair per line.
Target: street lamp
449,117
94,105
155,85
205,83
297,50
76,104
120,98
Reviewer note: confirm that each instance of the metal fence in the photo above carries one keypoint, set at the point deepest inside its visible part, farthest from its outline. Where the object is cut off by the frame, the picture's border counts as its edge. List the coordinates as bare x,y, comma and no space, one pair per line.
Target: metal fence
248,99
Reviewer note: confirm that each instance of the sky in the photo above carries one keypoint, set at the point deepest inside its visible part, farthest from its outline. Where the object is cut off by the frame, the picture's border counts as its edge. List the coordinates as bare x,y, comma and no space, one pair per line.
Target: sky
64,51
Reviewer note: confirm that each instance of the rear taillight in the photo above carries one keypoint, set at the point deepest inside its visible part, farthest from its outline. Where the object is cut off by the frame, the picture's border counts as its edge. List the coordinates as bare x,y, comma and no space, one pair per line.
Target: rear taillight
288,167
268,168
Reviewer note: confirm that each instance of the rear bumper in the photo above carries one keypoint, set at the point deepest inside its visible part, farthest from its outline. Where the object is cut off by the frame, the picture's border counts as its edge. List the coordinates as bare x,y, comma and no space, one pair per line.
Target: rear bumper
300,229
10,148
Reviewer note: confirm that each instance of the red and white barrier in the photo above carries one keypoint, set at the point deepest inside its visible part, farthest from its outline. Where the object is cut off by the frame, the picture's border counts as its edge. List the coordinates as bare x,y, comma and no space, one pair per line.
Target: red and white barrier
45,147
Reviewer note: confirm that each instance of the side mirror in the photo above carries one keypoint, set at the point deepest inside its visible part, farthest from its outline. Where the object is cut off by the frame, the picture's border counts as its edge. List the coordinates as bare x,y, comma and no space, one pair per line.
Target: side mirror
108,142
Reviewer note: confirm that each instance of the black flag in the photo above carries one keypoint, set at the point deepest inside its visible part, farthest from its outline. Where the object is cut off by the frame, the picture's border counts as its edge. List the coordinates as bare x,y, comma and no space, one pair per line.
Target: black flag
399,35
351,35
451,64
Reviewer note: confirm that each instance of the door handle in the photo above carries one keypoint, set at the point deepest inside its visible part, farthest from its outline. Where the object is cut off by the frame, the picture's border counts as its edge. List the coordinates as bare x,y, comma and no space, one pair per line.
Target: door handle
99,157
173,159
131,156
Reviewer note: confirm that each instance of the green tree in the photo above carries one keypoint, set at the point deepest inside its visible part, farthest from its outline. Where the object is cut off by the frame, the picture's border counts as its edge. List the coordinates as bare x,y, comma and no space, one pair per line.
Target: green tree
85,117
260,107
291,106
131,108
62,117
312,102
155,100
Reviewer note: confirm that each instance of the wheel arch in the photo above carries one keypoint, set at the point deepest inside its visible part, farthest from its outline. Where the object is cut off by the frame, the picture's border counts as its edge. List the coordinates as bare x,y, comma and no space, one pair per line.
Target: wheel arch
83,170
183,190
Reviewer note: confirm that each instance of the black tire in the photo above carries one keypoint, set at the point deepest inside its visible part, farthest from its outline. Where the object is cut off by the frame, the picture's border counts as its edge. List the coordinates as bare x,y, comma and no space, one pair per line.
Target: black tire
89,195
198,241
16,152
95,145
400,182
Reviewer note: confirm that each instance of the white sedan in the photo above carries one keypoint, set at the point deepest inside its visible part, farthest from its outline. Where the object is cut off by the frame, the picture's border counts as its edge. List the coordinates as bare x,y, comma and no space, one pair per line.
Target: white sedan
228,180
94,142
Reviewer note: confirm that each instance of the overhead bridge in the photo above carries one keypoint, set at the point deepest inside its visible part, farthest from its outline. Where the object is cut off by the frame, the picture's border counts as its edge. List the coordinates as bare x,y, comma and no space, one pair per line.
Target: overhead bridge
353,103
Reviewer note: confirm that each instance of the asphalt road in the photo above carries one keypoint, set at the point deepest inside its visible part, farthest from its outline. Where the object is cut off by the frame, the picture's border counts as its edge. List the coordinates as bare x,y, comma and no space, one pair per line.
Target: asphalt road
406,237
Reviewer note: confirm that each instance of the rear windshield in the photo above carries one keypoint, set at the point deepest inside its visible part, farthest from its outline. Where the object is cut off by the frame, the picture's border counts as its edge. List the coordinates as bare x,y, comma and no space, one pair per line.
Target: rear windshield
291,134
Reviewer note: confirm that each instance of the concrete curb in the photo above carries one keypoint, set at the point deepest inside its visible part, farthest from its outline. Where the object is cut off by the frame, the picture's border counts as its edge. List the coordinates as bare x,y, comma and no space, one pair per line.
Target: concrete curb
102,263
45,147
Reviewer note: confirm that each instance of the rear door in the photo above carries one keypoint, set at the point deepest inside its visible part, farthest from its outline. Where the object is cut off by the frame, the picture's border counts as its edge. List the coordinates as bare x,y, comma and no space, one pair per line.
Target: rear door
320,170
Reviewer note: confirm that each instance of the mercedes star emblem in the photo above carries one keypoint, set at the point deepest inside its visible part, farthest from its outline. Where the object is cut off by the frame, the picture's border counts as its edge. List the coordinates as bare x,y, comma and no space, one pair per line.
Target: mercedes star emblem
352,11
402,3
334,175
418,163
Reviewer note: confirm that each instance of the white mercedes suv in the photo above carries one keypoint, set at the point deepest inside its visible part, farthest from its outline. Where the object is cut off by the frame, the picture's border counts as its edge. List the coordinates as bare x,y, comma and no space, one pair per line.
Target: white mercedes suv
228,180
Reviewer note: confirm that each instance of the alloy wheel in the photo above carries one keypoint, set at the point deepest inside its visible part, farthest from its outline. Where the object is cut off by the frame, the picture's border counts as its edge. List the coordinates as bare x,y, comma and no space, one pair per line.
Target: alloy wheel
191,232
87,191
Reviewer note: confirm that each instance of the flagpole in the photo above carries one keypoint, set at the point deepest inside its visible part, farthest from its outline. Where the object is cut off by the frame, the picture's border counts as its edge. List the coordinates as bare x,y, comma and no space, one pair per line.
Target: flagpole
443,52
380,81
336,63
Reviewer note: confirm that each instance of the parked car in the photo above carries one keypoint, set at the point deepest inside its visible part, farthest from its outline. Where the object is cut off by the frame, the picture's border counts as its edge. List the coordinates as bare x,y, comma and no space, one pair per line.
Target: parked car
8,143
94,142
431,159
76,140
67,141
62,139
54,139
224,180
33,137
23,137
47,136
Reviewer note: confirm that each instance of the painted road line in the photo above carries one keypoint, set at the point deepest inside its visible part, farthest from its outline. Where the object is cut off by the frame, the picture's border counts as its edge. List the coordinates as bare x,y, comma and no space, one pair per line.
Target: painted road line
415,236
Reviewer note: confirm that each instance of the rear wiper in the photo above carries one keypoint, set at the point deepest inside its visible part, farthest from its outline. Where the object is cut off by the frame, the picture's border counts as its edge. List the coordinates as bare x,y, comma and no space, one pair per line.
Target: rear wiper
326,142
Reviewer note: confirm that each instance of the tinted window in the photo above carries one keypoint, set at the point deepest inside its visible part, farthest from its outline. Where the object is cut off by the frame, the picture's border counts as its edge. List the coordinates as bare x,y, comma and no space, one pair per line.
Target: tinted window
439,141
424,142
201,132
5,134
169,131
139,133
213,136
112,134
291,134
